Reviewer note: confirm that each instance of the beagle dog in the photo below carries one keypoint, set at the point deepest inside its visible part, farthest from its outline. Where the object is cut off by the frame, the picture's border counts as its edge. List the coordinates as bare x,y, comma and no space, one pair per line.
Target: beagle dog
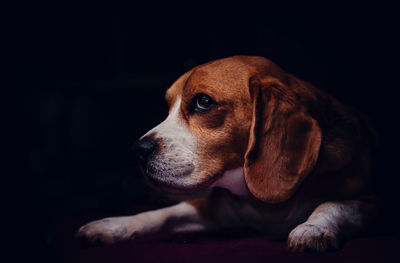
266,150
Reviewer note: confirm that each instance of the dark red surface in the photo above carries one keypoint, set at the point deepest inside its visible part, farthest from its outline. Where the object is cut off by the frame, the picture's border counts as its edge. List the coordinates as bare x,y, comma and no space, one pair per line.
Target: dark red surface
222,246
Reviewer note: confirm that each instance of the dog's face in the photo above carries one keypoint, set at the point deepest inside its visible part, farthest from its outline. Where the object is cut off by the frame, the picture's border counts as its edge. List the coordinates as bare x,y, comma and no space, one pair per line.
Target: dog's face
229,113
206,131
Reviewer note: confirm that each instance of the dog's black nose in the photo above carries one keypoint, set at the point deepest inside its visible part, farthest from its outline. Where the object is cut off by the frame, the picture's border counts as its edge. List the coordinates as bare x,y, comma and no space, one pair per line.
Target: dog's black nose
145,147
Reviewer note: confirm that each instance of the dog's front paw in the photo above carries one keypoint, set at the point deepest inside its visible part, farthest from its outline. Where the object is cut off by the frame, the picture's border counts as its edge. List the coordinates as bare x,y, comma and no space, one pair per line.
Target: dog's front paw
313,238
107,231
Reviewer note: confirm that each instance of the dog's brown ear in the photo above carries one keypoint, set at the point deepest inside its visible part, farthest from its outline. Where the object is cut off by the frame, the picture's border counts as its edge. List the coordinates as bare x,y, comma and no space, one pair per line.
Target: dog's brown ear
284,142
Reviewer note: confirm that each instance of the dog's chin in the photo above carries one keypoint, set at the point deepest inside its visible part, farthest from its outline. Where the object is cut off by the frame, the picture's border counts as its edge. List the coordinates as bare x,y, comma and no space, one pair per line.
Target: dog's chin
171,184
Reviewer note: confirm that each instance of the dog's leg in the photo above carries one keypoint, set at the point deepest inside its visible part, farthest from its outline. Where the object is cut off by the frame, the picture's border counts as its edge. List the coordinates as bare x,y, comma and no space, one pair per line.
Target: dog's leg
330,222
183,217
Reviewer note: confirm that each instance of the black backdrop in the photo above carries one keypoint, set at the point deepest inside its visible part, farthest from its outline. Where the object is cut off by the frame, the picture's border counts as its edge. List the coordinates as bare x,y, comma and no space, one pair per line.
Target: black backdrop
87,79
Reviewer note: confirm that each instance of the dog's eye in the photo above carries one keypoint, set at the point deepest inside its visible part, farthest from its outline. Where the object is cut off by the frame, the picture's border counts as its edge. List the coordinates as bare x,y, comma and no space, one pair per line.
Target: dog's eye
203,103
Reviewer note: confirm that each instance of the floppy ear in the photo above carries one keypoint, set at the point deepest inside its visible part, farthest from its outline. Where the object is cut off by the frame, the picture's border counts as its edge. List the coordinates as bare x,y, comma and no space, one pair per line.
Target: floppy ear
283,145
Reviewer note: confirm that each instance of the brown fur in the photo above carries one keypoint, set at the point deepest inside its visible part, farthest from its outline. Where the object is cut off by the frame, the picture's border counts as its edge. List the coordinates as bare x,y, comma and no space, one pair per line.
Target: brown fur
284,142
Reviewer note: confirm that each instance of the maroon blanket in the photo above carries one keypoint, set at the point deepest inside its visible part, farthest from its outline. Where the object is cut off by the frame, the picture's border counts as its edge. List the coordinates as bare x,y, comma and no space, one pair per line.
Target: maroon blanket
223,246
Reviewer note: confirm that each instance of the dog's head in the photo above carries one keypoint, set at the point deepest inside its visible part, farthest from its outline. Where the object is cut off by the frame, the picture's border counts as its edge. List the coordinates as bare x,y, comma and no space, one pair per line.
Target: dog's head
234,112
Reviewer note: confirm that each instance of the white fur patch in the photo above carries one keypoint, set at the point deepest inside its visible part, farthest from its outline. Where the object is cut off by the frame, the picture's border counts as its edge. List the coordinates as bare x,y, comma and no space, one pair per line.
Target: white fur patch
177,155
114,229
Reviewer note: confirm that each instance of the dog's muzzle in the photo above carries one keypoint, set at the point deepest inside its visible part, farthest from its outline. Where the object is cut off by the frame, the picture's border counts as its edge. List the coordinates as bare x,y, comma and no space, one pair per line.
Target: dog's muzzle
161,166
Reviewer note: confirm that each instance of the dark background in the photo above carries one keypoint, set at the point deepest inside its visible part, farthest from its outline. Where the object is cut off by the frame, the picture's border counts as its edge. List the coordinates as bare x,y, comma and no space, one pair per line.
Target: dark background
88,79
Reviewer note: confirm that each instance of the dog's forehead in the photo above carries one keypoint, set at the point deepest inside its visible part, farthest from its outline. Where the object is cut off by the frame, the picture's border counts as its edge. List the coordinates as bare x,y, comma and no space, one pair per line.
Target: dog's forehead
218,78
219,73
176,88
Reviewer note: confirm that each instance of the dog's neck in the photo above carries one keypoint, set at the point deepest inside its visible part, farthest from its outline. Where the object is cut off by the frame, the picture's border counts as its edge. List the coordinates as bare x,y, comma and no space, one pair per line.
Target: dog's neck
233,180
